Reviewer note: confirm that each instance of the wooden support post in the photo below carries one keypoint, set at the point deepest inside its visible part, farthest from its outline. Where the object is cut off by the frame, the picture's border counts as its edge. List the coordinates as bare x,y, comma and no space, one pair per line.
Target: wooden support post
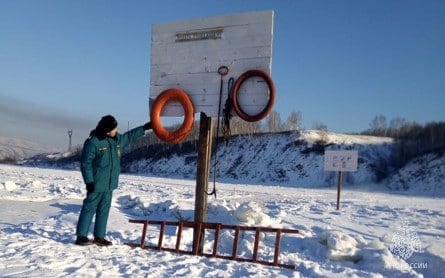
161,235
197,239
202,174
144,234
339,183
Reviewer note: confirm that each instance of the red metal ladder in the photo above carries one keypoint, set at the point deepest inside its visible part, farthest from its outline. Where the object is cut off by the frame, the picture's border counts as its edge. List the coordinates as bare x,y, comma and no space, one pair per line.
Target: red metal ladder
199,230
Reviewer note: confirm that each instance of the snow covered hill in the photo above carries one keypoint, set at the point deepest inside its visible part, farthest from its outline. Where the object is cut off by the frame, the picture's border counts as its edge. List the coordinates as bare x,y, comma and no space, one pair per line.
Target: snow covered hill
290,158
13,149
424,174
297,159
287,159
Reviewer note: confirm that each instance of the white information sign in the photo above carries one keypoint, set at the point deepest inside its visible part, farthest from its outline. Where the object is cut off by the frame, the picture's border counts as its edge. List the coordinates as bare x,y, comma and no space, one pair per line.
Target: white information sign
187,55
341,161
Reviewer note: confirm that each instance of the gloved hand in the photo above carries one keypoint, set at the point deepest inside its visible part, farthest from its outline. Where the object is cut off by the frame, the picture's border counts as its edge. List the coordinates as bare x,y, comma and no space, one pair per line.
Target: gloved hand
147,126
90,187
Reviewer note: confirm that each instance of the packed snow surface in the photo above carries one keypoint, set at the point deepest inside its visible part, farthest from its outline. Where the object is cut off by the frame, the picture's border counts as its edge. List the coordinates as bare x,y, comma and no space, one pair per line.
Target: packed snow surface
374,234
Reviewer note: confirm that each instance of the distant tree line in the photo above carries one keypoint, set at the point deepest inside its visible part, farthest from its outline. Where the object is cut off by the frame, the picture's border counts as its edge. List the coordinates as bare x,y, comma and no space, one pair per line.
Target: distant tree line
272,123
412,139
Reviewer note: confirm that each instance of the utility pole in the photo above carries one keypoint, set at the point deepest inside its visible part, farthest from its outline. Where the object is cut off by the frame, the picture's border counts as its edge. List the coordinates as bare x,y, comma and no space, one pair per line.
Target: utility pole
128,129
70,134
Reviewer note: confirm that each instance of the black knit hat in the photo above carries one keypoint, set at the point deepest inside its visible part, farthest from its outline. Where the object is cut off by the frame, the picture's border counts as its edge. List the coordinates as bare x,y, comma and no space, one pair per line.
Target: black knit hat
106,124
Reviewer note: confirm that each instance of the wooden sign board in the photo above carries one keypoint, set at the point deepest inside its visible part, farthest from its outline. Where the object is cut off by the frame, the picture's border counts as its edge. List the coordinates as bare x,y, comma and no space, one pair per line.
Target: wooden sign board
187,55
341,161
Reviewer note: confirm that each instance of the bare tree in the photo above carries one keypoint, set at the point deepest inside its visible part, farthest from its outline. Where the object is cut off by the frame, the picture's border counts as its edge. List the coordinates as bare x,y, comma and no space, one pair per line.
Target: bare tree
274,122
378,125
320,126
294,121
396,125
239,126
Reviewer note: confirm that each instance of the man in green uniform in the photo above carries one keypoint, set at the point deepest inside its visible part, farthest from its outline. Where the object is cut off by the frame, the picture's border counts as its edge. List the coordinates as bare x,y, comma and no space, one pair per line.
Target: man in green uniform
100,167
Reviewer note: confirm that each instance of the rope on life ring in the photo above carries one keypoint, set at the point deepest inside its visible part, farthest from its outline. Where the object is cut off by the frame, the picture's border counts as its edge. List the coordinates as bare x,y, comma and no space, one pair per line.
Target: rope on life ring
248,74
172,94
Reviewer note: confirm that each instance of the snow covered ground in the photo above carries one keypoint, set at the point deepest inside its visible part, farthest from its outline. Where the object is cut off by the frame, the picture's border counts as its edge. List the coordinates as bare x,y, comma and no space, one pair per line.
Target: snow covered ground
374,234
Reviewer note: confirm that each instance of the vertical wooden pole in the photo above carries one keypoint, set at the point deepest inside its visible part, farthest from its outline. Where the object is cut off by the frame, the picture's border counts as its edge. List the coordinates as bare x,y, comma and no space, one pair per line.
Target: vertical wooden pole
339,183
202,174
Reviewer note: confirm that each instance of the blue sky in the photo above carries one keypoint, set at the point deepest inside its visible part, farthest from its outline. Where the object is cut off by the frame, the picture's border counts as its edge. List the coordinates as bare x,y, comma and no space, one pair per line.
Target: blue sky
64,64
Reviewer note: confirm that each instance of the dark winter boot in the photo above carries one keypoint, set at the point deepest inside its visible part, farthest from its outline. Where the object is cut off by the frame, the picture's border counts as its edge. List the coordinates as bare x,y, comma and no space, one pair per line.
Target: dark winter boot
83,240
100,241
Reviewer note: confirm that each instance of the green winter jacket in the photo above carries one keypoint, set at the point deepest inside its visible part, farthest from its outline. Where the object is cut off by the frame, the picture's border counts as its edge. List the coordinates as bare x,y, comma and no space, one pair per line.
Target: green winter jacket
100,159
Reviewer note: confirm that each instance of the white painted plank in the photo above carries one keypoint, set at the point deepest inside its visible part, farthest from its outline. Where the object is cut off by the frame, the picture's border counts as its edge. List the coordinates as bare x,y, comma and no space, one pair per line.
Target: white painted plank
215,21
229,32
245,43
208,71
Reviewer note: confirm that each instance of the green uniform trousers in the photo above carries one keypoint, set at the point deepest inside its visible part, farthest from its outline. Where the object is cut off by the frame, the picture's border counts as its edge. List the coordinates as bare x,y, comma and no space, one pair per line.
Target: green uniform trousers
98,203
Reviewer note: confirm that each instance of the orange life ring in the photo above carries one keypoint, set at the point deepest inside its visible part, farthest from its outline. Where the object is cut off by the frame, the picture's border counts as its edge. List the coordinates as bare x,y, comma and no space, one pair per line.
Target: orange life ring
172,94
236,87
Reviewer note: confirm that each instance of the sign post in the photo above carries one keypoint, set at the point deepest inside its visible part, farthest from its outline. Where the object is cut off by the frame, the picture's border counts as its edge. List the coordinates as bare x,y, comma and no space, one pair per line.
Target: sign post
202,176
340,161
339,184
187,55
